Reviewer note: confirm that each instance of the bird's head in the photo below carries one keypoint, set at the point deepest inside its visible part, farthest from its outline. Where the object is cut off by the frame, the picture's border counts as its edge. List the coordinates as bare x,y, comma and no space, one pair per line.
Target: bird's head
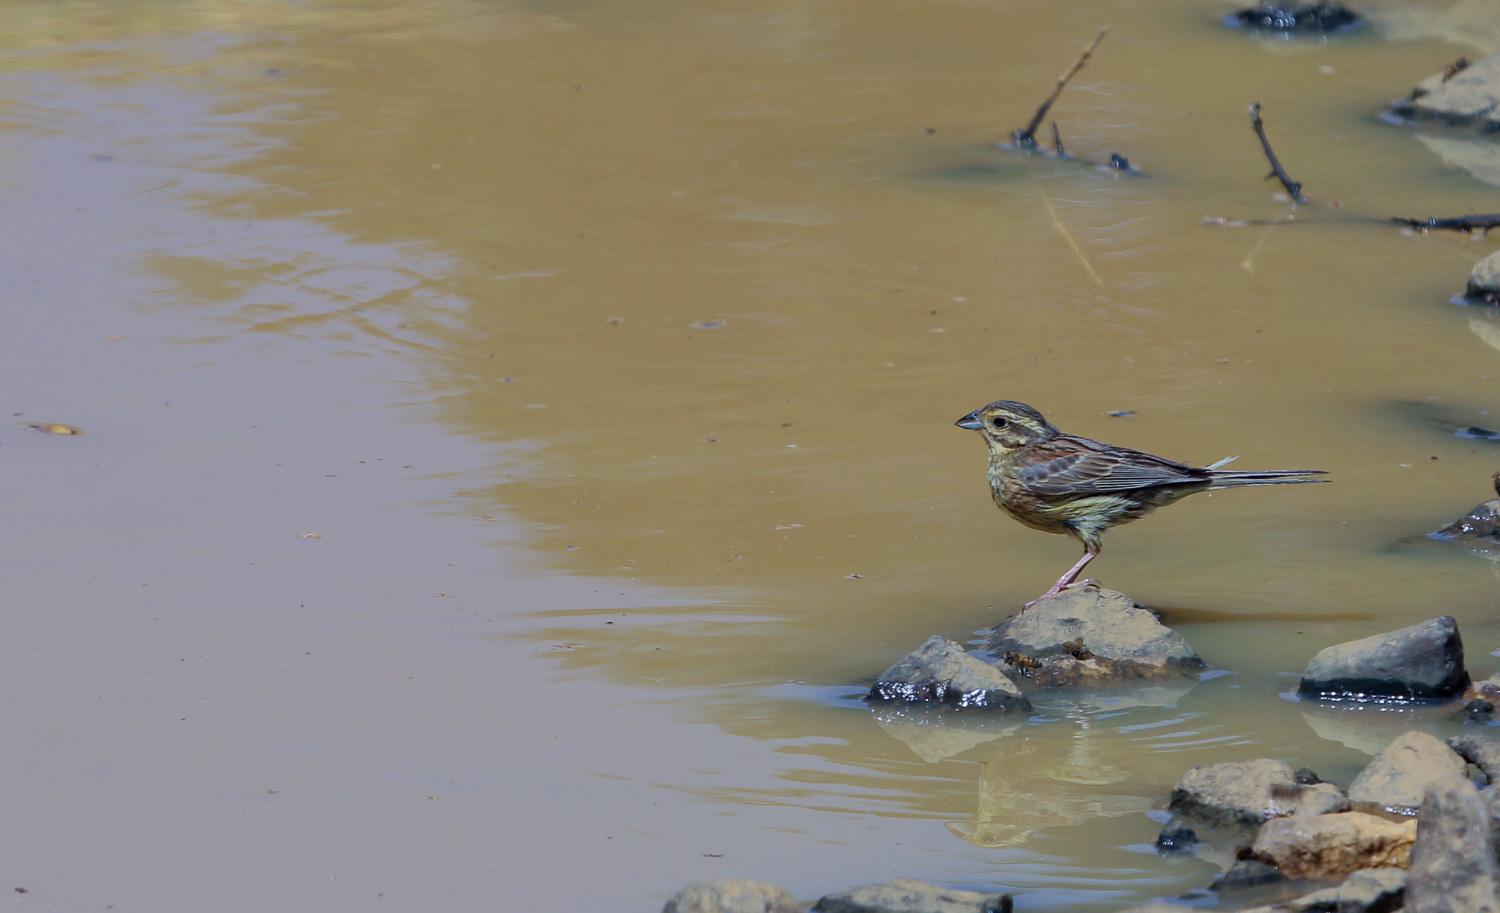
1008,425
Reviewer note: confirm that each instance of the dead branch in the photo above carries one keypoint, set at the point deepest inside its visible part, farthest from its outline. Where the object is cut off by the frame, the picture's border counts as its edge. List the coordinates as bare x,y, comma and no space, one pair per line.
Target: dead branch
1293,188
1027,137
1466,224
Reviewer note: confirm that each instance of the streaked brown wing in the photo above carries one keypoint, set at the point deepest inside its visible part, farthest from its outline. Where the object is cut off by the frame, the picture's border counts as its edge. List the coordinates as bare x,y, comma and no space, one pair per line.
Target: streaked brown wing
1070,465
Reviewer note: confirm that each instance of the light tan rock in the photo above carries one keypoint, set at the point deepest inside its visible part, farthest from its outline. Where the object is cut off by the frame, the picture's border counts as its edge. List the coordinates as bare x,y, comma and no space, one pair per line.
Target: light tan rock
1327,847
1398,777
1249,792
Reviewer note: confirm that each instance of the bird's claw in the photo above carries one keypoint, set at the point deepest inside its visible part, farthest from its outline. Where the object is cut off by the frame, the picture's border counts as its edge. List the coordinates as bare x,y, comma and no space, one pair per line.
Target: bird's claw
1058,590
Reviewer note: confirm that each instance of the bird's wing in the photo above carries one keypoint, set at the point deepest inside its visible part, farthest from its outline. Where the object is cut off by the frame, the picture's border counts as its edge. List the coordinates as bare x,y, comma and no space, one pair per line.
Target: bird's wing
1070,466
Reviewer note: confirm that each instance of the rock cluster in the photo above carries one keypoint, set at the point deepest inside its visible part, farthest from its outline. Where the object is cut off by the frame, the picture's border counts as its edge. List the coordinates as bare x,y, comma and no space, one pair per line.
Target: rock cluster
1412,832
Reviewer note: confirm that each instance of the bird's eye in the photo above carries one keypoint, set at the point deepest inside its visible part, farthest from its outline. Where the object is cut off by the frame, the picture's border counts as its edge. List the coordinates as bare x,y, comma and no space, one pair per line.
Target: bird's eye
998,422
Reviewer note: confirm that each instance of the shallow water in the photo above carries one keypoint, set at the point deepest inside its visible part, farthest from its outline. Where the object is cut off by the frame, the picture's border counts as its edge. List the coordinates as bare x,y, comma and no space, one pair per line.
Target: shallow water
516,434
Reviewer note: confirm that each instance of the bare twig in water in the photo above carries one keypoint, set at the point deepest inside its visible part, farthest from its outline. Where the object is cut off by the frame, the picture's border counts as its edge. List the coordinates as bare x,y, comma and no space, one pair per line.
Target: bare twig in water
1027,137
1466,224
1293,188
1057,141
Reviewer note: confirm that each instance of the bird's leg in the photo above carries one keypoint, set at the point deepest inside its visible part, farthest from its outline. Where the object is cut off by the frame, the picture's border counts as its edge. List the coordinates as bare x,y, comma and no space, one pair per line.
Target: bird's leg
1066,581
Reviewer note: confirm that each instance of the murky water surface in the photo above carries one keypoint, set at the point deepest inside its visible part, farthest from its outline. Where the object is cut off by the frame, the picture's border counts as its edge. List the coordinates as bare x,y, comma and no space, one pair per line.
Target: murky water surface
516,432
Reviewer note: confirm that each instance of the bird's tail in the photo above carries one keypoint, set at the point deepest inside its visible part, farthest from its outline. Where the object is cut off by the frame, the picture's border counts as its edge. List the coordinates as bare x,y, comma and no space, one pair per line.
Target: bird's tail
1222,478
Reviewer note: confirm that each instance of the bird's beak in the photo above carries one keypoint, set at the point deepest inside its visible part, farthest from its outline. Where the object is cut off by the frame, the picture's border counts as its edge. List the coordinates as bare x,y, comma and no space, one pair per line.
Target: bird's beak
972,422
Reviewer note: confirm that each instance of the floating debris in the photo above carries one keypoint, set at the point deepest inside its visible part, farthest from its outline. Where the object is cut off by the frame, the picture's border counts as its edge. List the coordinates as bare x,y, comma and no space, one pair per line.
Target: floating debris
52,428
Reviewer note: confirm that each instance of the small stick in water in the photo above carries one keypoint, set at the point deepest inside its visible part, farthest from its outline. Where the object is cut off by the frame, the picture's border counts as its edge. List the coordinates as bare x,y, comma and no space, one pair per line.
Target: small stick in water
1293,188
1027,137
1466,224
1057,141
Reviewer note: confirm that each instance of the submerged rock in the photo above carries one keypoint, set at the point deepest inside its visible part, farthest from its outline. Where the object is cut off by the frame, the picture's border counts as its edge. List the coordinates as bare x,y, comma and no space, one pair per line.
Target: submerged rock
1090,636
732,895
1242,793
1326,847
1453,867
1176,838
908,895
1318,17
1466,94
942,671
1422,662
1398,777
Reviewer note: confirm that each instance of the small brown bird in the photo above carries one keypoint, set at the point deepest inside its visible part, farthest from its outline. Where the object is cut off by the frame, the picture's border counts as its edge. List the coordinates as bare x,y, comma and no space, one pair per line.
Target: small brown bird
1059,483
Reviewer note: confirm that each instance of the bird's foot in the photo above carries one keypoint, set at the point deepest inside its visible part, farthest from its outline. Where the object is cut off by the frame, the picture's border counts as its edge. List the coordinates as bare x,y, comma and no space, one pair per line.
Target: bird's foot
1059,589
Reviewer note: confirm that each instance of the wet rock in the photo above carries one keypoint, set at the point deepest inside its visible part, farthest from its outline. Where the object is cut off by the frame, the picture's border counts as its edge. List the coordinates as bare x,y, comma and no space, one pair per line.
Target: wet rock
1466,96
1477,710
908,895
941,671
1483,522
1090,636
1480,750
1176,837
1484,287
1250,792
1398,777
732,895
1422,662
1309,17
1453,868
1326,847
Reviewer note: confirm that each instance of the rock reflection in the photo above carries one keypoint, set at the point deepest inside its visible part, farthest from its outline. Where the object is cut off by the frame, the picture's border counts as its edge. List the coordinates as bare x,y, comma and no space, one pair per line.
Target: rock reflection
1021,792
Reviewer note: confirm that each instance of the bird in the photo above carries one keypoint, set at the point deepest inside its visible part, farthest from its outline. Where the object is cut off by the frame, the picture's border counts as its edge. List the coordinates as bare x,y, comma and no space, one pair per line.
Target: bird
1062,483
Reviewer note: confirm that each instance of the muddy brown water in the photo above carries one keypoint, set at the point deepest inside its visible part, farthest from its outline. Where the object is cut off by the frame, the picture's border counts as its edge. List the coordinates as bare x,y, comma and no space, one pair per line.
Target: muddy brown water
516,432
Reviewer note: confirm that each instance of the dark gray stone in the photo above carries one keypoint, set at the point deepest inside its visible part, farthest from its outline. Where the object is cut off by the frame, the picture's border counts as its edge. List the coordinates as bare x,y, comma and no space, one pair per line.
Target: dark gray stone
1247,793
941,671
1422,662
732,895
1396,779
1090,636
1453,866
1470,97
1176,838
908,895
